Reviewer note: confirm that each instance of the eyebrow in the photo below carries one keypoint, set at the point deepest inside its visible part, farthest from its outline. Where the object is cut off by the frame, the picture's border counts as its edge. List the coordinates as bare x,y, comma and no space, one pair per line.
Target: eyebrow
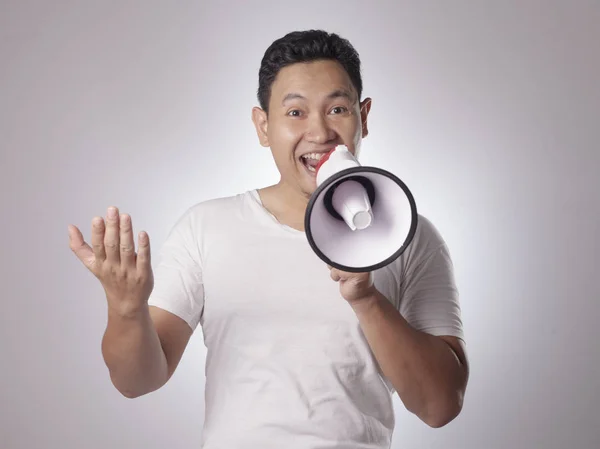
338,93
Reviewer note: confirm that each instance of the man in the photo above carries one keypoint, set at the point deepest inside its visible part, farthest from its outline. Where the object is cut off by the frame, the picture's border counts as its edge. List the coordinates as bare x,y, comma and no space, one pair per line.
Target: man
300,355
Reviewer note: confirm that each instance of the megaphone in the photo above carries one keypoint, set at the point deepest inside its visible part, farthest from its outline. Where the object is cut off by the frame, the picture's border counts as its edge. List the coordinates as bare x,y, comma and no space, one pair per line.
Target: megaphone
359,218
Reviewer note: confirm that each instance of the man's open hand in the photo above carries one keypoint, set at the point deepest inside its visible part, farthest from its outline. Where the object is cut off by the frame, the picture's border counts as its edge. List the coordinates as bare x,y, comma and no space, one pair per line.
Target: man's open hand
125,275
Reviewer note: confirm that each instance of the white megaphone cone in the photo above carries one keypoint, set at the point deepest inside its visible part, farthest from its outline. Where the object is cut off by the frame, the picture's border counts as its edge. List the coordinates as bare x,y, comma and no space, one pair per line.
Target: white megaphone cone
359,218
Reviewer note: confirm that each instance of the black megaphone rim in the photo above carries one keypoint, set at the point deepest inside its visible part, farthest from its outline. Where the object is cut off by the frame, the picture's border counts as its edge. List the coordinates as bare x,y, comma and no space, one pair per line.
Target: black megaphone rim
344,173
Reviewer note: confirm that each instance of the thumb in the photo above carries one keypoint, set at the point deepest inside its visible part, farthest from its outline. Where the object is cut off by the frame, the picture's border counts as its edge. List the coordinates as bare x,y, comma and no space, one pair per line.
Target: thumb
80,248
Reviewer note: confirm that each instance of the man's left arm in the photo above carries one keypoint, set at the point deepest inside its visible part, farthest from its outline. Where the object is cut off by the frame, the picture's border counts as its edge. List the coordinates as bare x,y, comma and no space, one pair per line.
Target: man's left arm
428,372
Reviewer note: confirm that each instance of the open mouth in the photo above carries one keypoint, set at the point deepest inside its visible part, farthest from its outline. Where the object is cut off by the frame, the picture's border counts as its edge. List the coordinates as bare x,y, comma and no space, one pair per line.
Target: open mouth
311,161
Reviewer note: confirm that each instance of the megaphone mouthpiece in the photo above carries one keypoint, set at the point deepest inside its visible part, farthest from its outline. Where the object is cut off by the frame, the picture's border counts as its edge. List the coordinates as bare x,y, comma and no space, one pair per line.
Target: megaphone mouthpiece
323,160
351,202
340,158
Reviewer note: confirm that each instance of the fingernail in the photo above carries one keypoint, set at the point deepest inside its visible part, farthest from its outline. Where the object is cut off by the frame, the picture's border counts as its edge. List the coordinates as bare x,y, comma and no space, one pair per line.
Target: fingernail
112,212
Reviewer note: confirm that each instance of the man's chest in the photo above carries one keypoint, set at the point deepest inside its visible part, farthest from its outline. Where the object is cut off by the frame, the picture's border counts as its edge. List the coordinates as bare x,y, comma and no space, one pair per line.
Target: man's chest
279,279
279,276
272,303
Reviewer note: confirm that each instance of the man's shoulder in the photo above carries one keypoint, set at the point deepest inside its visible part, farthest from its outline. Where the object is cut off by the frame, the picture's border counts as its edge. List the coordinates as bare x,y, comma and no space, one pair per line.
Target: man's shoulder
427,232
426,241
219,211
219,205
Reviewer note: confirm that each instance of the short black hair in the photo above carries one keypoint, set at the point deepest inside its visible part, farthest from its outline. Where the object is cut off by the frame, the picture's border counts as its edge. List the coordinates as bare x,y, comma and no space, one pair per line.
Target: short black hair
306,46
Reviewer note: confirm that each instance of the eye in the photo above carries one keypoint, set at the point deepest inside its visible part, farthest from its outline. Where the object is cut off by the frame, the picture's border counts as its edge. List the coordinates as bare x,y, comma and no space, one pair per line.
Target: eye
294,113
339,109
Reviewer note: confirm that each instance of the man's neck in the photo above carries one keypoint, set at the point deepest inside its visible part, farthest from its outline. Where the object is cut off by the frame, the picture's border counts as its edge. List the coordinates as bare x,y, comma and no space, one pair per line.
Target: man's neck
286,204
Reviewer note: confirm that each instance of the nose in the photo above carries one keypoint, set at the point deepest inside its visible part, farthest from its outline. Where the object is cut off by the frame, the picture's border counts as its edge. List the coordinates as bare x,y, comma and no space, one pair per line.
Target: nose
319,130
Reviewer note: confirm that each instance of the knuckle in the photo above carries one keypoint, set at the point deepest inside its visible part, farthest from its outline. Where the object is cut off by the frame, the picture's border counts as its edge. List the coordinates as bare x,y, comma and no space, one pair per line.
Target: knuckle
126,249
114,272
110,245
139,280
143,277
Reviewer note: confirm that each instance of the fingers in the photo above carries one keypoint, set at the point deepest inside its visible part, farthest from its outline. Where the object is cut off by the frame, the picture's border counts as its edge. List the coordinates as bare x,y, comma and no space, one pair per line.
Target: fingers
111,236
144,265
98,239
335,274
82,250
111,242
127,246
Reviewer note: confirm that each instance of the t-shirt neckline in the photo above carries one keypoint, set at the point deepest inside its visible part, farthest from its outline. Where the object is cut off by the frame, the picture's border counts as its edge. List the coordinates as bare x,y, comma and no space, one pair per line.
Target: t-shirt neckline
258,202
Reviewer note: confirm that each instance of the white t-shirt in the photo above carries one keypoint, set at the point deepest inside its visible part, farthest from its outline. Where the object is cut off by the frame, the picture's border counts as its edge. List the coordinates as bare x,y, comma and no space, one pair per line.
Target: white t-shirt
287,363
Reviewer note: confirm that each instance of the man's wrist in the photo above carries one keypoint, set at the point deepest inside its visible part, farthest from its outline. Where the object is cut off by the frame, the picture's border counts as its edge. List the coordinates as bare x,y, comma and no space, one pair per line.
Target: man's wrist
368,303
127,311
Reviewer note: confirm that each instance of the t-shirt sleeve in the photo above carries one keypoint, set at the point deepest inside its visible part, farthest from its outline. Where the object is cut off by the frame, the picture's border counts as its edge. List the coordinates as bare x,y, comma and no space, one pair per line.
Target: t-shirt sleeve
178,286
430,298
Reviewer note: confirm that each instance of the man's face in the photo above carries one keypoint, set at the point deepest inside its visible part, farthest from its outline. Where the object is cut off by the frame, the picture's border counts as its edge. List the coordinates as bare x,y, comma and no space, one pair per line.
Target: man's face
313,107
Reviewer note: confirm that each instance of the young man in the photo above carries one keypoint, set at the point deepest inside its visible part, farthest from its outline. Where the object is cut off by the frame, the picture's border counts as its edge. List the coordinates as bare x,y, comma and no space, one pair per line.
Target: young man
300,355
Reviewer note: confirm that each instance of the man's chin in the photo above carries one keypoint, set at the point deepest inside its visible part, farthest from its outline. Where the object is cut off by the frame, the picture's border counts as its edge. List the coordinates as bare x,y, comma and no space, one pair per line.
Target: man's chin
308,189
310,185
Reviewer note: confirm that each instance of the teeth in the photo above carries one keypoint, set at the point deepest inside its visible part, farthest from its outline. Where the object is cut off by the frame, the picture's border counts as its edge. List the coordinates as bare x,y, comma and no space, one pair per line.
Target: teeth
315,156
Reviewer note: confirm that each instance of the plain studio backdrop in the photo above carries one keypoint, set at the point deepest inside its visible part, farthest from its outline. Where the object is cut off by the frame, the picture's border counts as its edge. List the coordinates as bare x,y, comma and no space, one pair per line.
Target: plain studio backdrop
489,111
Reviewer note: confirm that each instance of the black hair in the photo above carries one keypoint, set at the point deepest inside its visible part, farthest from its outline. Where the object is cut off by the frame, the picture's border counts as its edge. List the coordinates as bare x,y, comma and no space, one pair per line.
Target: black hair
306,46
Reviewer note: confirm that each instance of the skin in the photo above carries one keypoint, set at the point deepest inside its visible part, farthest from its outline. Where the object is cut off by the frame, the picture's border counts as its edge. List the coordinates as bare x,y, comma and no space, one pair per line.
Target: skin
306,113
323,111
142,345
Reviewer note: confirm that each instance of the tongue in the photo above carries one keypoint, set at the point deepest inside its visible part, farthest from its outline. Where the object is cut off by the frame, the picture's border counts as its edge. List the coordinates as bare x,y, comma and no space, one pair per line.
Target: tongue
311,162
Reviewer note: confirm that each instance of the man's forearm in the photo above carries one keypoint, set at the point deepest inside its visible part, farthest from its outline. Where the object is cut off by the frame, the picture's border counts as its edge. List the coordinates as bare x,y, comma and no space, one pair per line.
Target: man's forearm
425,371
133,354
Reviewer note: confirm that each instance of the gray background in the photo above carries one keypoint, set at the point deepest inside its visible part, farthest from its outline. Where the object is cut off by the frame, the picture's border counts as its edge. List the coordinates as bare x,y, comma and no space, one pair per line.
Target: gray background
489,111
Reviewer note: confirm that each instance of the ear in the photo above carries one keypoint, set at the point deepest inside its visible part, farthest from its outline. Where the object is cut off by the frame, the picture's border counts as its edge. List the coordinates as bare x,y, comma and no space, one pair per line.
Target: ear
365,107
260,119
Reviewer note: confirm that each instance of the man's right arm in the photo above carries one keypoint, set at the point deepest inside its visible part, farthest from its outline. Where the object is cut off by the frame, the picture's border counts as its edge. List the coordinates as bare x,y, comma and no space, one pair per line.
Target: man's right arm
142,345
142,349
